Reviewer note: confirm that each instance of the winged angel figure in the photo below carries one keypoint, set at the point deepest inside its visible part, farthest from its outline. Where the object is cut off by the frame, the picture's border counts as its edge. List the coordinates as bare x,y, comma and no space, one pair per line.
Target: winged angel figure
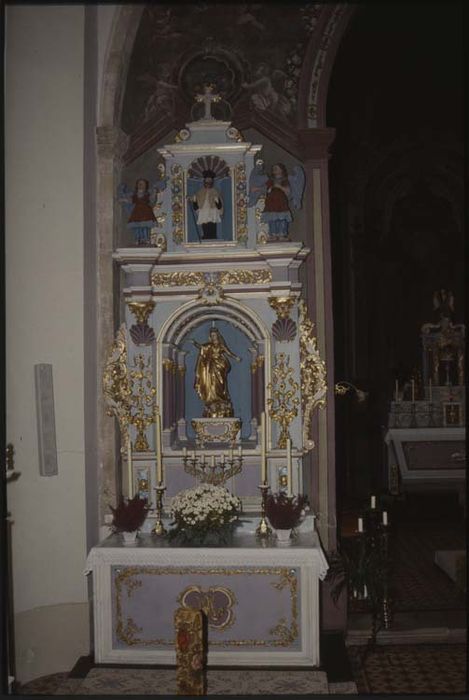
139,204
282,193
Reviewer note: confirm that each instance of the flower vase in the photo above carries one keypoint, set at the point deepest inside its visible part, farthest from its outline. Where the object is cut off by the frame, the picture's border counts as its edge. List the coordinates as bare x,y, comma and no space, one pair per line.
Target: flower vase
283,537
130,538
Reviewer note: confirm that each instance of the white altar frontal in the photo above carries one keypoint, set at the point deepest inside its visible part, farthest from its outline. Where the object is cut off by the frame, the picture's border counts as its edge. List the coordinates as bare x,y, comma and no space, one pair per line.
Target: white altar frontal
213,377
261,600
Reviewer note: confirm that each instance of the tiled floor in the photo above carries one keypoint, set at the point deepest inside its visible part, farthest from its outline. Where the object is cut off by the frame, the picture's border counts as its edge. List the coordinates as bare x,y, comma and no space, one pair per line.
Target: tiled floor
423,669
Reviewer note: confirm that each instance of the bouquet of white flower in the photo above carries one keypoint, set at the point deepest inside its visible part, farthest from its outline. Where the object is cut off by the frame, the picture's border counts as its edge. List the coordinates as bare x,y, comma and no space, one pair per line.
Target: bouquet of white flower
204,514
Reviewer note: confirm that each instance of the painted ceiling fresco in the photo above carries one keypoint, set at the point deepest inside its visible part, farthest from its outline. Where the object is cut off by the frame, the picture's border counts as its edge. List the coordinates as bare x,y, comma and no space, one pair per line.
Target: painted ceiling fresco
253,53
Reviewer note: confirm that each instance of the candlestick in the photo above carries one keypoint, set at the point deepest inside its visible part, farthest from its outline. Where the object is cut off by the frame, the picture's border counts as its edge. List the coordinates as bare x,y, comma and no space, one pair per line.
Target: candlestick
159,462
396,393
263,530
129,467
385,517
413,390
263,460
373,502
289,469
159,528
360,524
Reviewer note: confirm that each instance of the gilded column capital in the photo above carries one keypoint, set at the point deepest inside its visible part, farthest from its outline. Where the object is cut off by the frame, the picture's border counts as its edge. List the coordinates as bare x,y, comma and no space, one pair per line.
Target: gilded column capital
282,305
141,309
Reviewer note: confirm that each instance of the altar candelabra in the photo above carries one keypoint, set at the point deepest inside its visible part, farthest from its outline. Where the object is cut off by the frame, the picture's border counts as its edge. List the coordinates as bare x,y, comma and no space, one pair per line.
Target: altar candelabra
370,562
215,470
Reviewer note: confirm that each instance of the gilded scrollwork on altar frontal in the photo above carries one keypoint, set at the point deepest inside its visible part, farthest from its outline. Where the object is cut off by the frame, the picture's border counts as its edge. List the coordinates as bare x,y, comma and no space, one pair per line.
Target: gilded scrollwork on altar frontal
177,203
285,632
312,373
284,400
241,202
217,602
116,381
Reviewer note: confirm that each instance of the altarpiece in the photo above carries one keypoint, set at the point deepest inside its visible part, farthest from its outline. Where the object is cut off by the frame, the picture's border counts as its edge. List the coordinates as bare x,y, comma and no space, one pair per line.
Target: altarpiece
213,376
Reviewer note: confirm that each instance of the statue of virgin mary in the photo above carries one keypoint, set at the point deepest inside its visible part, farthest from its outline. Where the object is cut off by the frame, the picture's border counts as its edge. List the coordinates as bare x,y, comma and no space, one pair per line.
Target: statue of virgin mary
211,375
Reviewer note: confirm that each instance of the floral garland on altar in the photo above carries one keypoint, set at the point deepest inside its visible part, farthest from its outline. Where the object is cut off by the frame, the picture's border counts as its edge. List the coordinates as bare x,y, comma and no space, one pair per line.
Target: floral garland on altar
204,514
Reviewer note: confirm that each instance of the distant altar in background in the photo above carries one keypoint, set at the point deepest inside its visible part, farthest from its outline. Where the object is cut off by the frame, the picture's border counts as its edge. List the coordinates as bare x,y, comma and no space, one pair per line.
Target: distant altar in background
426,436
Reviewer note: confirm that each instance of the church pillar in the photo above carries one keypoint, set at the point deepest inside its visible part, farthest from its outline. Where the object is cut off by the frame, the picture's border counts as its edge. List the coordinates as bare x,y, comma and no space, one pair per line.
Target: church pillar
111,145
315,144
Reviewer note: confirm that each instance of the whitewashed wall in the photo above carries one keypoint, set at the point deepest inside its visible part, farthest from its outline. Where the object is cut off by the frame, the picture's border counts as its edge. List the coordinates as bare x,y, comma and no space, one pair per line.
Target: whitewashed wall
45,316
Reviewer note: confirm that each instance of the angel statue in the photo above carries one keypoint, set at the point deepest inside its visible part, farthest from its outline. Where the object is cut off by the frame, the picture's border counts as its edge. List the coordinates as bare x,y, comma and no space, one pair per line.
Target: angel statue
139,204
282,192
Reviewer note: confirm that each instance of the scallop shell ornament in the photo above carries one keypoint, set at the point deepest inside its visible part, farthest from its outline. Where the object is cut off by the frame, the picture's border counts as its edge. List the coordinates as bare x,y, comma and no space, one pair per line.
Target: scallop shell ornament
142,334
284,330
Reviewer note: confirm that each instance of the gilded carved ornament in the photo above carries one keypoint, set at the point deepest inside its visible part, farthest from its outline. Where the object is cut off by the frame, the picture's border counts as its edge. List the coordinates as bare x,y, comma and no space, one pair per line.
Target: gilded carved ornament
127,631
283,402
312,373
116,384
282,306
141,310
142,399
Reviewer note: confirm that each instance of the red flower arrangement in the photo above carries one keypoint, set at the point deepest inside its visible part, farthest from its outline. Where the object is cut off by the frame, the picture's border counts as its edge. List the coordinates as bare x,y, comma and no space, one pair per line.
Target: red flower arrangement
285,512
130,514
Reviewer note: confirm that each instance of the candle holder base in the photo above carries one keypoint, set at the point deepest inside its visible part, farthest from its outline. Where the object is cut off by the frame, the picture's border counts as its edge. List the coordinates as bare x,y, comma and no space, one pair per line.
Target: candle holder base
159,529
263,530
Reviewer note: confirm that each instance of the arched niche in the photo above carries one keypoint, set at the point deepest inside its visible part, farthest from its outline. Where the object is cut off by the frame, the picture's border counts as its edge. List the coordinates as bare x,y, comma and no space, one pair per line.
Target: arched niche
176,358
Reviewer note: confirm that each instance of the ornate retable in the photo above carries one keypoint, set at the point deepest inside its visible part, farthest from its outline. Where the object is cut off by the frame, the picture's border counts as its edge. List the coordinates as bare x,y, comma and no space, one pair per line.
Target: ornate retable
262,601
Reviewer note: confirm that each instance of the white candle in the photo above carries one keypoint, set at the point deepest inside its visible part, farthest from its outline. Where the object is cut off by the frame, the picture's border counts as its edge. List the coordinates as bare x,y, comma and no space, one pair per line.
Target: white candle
289,469
373,502
159,461
413,391
240,451
360,524
212,461
184,452
385,517
231,455
430,389
129,467
354,592
263,460
365,591
396,393
223,458
193,455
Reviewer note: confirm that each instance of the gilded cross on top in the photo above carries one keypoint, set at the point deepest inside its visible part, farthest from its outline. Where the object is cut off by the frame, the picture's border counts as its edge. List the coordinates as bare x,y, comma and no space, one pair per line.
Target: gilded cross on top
207,97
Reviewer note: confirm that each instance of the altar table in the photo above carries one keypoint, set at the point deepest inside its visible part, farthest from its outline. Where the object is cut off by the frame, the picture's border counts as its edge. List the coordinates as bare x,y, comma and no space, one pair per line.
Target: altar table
261,599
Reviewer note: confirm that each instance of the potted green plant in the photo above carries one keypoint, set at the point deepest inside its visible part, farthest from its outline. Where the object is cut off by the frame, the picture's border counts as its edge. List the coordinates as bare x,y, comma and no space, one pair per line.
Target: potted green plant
128,517
285,513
